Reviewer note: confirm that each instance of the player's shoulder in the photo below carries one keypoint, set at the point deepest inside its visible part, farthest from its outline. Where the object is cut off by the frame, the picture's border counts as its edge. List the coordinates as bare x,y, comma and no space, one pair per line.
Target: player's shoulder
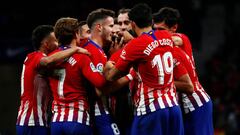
35,54
80,56
178,50
182,35
142,39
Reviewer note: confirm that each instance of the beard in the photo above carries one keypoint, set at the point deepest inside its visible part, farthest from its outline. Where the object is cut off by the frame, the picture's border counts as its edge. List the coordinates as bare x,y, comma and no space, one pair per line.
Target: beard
106,47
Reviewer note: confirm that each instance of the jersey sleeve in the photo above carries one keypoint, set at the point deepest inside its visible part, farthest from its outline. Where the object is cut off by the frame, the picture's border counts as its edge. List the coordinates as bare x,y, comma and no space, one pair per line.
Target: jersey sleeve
91,73
179,68
114,57
38,58
130,53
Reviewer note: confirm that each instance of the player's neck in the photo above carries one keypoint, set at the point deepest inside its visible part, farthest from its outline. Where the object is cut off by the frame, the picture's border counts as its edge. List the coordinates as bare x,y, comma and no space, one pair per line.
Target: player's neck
98,40
140,31
44,50
73,43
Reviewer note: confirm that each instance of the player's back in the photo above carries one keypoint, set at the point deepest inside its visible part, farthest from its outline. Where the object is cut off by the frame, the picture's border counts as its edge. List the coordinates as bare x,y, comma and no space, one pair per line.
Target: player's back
152,55
199,96
35,93
70,95
66,81
157,59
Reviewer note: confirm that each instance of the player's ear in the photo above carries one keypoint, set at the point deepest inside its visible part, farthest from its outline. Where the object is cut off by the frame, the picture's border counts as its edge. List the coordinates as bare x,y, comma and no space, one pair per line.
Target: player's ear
174,28
44,43
133,24
99,27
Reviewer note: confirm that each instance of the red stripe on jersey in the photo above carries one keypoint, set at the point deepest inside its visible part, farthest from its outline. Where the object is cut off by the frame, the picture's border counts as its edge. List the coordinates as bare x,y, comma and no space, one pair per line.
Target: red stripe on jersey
29,111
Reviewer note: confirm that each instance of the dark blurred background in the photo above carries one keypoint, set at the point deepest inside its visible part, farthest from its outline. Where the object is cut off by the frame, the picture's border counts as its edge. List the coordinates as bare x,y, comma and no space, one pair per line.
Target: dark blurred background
212,26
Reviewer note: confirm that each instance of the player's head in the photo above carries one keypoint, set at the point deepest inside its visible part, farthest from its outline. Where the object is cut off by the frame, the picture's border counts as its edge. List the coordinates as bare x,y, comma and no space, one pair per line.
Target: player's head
116,27
123,19
116,31
100,22
84,30
166,18
67,29
141,16
43,37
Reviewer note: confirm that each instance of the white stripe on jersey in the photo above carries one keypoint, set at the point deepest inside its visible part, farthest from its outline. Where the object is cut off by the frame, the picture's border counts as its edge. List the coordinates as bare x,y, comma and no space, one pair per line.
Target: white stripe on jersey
206,97
97,110
80,113
20,109
55,114
197,99
174,96
187,104
160,102
39,108
151,99
142,102
70,112
62,113
88,119
31,119
24,114
168,100
22,79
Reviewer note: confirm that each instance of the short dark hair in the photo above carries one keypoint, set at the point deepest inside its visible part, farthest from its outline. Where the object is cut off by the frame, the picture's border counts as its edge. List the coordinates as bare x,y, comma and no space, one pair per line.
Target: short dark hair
123,11
169,16
81,23
115,20
39,33
141,14
98,14
65,29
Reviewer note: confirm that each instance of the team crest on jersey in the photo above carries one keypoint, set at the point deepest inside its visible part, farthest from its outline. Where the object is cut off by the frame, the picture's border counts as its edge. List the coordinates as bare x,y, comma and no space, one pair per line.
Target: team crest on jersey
99,67
93,67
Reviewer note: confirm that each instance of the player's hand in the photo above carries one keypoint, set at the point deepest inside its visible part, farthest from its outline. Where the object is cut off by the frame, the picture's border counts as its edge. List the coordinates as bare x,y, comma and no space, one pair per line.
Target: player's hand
116,45
177,40
83,51
109,65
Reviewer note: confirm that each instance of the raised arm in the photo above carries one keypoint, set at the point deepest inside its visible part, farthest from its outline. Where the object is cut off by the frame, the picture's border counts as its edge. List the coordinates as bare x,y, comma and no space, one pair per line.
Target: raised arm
45,61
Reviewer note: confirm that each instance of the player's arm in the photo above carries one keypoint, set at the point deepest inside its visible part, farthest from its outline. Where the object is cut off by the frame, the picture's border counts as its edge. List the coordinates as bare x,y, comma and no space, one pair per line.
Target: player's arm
98,80
91,73
116,85
182,80
184,84
45,61
111,73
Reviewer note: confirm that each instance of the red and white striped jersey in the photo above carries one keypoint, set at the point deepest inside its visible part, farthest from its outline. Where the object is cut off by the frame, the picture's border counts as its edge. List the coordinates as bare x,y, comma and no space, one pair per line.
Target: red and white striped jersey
151,56
186,46
99,60
199,96
69,91
35,93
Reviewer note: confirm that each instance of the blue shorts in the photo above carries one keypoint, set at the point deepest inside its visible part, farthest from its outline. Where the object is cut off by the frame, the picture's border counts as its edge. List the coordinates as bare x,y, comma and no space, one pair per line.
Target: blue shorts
104,125
32,130
166,121
70,128
199,121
